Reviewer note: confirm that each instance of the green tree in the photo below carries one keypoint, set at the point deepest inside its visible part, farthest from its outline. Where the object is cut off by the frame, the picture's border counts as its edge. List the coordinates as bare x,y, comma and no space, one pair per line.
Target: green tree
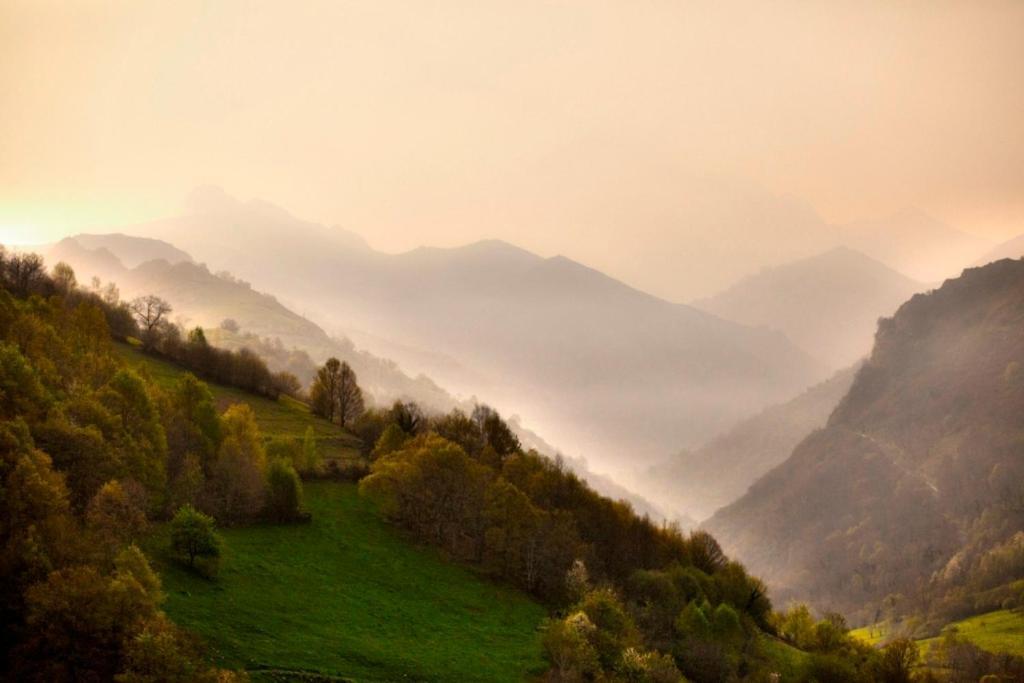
193,535
392,439
239,481
311,458
284,491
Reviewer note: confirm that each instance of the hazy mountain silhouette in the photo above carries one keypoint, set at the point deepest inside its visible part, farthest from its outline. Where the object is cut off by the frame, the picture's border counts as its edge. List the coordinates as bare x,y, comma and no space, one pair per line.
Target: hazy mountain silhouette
917,475
914,243
828,304
202,298
699,482
1012,248
598,367
133,251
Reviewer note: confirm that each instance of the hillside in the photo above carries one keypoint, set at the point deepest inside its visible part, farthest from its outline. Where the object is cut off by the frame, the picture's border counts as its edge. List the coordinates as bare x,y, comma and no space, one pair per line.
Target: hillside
560,344
1001,631
698,482
829,304
284,417
917,473
347,596
200,297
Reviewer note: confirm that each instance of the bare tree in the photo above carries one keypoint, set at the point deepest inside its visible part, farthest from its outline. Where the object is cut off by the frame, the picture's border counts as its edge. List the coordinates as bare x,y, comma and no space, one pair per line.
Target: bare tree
324,392
350,396
151,311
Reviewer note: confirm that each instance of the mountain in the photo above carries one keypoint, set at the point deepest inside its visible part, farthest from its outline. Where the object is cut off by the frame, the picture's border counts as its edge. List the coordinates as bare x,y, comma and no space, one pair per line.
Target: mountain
914,242
596,366
698,482
133,251
828,304
916,478
202,298
1011,248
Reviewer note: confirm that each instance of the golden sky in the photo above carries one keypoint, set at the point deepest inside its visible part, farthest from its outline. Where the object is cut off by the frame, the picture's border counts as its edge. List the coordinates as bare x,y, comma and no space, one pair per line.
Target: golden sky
566,127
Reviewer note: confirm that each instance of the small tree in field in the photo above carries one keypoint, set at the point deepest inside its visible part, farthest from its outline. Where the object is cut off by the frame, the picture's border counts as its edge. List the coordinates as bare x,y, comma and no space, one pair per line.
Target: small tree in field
284,491
193,535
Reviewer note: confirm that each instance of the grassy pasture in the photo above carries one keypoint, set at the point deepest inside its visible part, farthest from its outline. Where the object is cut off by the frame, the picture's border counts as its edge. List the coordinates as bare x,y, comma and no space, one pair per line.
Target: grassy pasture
348,596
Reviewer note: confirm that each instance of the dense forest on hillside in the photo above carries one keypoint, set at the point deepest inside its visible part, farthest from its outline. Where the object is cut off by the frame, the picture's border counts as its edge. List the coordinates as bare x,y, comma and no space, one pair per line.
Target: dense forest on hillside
909,501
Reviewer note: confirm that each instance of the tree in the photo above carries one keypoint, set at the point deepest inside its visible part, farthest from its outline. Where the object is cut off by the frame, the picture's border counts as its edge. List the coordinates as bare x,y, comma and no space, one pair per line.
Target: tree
898,661
311,458
284,491
238,480
79,620
335,393
151,312
64,278
408,416
114,517
324,392
36,528
350,397
567,646
193,535
391,440
496,431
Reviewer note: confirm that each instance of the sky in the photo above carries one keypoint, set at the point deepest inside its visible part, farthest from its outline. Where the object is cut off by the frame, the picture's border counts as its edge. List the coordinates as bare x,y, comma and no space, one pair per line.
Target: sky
624,134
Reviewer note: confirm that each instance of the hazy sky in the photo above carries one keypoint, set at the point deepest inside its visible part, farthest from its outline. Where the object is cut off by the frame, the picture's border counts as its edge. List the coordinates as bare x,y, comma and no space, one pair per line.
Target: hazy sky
566,127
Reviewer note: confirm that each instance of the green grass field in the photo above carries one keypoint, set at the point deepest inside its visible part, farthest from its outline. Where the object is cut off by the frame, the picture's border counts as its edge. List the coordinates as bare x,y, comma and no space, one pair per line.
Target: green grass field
284,417
348,596
1001,631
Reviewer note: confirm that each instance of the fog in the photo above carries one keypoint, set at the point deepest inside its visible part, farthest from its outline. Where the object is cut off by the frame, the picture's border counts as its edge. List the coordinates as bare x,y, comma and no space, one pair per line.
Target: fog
674,145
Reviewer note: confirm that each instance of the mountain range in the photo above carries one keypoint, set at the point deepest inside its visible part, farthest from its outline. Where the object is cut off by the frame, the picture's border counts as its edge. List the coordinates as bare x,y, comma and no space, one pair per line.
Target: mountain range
601,369
828,304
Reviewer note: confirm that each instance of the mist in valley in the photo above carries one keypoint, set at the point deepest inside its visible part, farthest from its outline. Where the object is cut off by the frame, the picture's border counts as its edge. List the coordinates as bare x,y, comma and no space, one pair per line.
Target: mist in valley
697,313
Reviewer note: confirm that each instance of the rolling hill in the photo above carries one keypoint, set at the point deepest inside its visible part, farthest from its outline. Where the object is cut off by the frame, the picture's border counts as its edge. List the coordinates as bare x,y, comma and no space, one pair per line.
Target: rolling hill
828,304
913,486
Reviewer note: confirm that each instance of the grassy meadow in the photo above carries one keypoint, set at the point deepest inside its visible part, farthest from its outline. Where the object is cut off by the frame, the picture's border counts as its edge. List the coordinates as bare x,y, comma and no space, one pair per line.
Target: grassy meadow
1000,631
347,596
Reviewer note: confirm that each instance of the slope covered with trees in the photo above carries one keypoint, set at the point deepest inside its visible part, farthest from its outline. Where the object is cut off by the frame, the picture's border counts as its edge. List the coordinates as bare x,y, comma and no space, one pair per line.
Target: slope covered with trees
909,500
